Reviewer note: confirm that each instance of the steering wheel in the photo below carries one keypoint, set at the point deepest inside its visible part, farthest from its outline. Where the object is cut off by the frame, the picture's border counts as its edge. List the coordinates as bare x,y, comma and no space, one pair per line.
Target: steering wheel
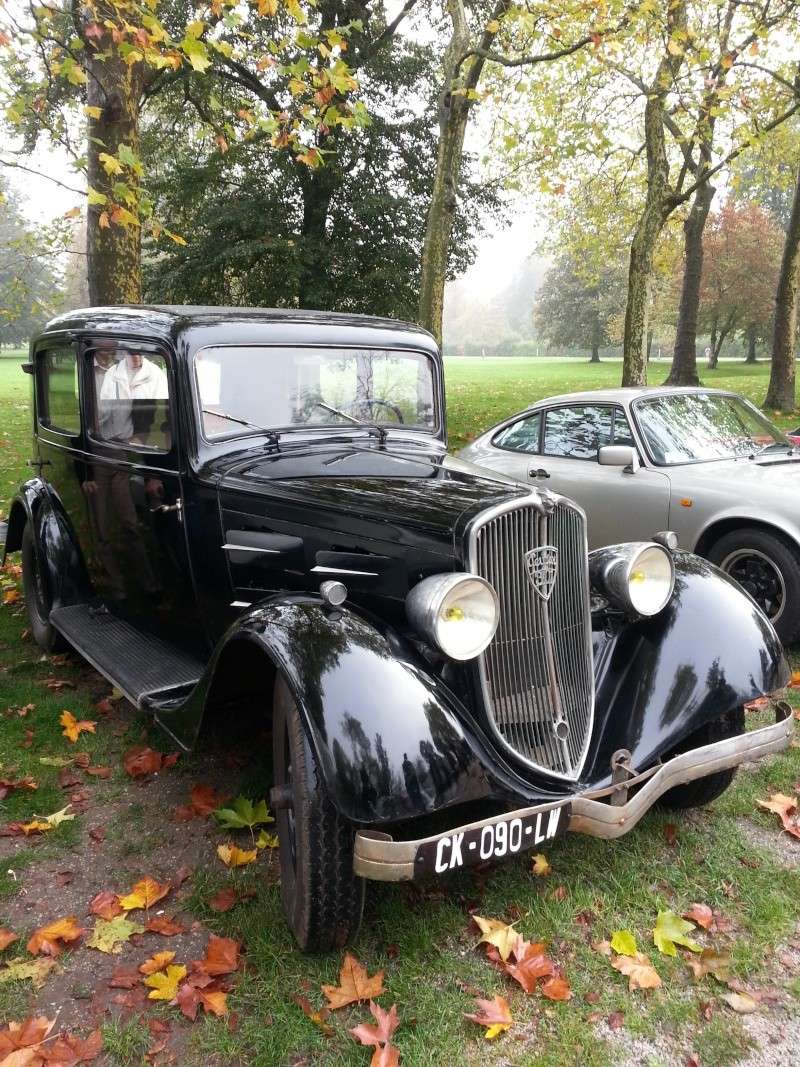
374,401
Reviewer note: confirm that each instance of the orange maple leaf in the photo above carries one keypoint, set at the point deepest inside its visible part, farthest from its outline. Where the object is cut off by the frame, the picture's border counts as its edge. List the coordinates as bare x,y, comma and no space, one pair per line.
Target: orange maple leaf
786,808
46,939
354,984
162,924
73,728
158,962
144,894
105,904
386,1054
222,956
7,937
233,856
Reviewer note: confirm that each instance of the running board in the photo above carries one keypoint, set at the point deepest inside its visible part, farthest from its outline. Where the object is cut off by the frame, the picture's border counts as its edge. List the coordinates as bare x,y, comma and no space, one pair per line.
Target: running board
142,666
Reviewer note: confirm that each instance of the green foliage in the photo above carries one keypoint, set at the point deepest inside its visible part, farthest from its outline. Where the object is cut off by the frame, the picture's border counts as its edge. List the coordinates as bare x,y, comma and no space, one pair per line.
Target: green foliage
28,286
574,307
243,814
345,236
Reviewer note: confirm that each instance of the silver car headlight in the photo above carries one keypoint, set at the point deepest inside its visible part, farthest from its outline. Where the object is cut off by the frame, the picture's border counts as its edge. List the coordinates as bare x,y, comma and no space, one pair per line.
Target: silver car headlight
458,613
638,577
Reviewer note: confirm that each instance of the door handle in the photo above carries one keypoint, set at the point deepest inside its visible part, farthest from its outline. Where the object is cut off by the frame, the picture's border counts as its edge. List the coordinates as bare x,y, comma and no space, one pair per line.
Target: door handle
538,473
164,508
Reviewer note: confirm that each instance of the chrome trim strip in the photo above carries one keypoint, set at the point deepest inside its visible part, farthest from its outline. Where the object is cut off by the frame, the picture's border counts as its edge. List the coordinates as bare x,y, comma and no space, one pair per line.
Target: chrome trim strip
543,505
343,570
378,857
251,548
241,604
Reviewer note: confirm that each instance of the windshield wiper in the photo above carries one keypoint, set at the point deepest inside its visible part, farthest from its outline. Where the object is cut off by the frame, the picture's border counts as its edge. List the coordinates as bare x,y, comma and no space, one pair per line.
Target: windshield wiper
374,429
782,445
274,437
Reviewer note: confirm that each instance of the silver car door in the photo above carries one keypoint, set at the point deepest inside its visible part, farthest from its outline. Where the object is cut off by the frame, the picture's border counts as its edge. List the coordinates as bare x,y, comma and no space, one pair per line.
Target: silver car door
514,449
619,506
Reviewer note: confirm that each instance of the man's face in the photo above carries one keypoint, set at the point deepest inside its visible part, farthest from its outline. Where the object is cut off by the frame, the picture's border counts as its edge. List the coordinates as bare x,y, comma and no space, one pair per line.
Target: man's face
134,360
104,356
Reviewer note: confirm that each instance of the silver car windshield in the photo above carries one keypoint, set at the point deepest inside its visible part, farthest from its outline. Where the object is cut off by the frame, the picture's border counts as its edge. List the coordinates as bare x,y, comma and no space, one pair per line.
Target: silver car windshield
697,427
254,387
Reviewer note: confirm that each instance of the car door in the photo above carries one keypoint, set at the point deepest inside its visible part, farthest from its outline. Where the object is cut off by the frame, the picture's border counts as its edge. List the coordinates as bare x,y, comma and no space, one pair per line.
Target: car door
139,562
620,506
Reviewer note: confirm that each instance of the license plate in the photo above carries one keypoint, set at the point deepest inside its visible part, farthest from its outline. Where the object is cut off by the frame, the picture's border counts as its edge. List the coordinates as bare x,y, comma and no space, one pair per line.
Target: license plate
495,841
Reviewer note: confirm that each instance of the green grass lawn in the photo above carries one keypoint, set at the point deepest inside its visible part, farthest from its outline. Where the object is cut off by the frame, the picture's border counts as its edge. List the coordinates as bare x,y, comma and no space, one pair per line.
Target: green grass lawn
422,938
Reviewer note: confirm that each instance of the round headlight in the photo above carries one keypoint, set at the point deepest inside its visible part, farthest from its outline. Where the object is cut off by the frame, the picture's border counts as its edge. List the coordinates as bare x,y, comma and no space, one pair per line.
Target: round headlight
638,577
459,613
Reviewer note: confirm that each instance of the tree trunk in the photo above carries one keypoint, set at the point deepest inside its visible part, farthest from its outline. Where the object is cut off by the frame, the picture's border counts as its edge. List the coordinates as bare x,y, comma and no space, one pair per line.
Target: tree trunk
684,360
114,253
453,118
595,358
780,394
318,188
752,333
441,213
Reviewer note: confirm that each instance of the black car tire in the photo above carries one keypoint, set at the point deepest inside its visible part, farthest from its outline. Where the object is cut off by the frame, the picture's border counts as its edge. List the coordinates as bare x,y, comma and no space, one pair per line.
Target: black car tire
322,897
37,596
704,790
771,550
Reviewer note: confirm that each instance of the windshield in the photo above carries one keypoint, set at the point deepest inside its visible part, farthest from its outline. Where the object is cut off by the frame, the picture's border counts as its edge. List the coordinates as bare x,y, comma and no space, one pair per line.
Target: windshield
274,388
687,428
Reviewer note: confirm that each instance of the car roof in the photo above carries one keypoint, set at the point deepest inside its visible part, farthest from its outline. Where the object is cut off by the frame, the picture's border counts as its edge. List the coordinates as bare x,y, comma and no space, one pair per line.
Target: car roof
622,395
208,324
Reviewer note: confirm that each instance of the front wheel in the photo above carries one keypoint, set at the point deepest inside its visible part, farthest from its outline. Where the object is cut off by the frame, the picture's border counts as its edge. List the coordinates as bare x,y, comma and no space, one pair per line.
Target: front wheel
768,568
704,790
322,898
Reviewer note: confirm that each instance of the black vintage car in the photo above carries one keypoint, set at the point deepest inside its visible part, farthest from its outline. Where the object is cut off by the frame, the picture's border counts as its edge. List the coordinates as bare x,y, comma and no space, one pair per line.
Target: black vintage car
234,506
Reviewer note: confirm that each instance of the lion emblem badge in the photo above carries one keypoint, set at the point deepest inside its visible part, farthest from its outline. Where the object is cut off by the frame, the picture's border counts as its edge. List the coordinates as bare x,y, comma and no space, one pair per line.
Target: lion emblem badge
541,566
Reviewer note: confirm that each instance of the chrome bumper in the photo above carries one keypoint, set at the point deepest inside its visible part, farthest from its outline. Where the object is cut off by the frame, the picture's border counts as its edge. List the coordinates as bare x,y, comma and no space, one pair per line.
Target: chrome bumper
380,858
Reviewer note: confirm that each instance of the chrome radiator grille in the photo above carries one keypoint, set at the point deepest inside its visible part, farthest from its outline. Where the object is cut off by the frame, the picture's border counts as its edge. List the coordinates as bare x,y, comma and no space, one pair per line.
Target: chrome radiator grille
537,675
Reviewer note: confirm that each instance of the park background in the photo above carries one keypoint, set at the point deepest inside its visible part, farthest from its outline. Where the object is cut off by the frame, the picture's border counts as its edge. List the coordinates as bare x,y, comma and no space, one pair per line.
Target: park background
569,196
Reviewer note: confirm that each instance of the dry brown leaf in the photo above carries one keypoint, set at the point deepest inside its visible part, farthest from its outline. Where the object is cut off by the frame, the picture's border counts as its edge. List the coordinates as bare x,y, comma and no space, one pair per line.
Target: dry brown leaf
530,964
700,914
144,894
7,937
354,984
162,924
222,956
786,808
494,1014
158,962
318,1018
710,961
48,939
497,933
380,1035
742,1003
640,972
105,904
556,988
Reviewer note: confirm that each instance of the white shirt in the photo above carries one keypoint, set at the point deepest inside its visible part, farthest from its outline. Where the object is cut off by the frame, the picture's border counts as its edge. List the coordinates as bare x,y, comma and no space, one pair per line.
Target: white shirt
149,382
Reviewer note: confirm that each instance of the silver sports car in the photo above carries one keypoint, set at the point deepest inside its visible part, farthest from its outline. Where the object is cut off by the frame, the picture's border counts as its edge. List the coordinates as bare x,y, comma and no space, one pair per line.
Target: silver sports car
704,463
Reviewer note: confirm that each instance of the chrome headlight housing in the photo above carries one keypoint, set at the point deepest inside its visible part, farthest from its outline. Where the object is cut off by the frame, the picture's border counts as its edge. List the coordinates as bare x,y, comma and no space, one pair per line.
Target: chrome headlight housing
458,613
638,577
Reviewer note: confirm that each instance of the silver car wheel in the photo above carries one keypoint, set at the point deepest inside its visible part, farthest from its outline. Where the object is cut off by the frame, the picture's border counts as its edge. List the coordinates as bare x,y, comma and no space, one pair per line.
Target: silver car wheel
758,575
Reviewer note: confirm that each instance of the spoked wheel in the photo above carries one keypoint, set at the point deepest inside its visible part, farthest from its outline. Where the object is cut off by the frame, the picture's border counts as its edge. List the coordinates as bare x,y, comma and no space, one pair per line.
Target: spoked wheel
767,568
322,898
37,596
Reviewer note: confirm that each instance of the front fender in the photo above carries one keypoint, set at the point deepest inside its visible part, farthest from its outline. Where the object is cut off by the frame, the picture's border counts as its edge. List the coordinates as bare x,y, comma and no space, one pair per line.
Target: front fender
58,555
658,680
391,741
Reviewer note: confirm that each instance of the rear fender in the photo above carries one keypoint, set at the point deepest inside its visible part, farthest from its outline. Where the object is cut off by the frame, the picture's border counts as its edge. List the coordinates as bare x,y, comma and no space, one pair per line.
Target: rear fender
658,680
57,551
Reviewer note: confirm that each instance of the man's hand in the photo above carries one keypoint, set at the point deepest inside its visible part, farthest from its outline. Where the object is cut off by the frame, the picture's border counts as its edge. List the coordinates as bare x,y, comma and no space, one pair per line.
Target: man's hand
154,487
89,487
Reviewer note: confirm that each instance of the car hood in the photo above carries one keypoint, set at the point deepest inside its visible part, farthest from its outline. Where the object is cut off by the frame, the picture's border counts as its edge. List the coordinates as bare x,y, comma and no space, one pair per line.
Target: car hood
380,494
742,476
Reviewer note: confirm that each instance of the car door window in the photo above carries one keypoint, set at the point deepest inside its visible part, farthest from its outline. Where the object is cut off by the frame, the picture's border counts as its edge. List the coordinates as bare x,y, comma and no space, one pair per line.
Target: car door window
131,397
58,403
577,432
622,430
520,436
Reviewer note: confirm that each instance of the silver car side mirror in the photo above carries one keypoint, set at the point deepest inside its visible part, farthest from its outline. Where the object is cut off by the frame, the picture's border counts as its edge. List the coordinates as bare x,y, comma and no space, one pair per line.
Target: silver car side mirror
619,456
